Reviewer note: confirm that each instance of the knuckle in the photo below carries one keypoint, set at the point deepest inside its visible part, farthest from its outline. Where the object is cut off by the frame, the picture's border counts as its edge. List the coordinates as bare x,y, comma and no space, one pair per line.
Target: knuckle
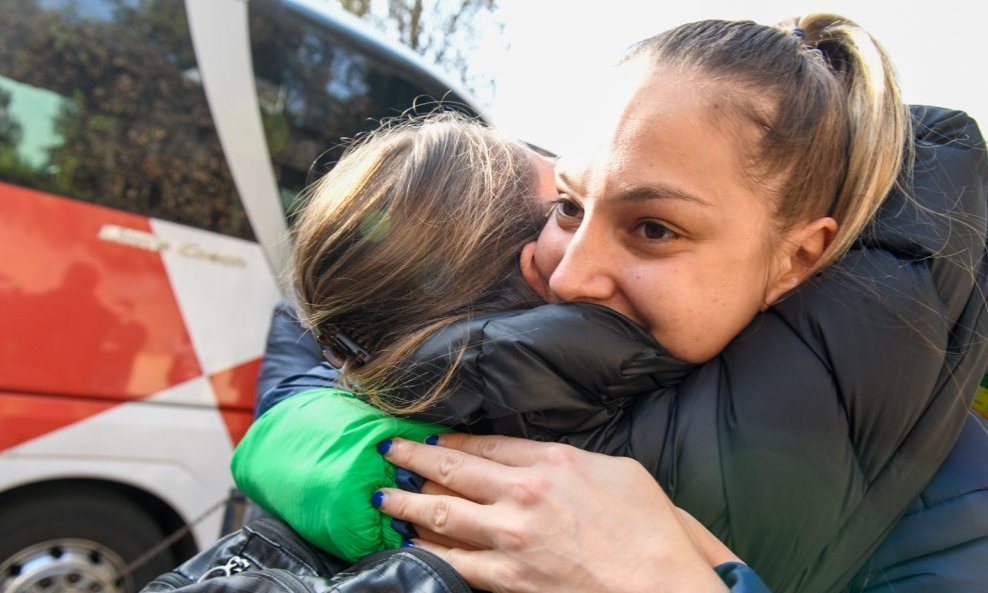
440,514
452,556
529,490
513,536
489,447
447,468
631,466
510,576
560,455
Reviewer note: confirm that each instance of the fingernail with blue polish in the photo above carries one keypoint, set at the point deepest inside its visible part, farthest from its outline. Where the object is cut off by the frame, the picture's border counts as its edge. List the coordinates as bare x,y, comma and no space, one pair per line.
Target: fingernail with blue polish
408,544
410,481
377,499
384,446
432,440
404,528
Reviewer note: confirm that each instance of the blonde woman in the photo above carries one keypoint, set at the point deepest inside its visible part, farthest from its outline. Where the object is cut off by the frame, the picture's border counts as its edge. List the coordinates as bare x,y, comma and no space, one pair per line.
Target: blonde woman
738,212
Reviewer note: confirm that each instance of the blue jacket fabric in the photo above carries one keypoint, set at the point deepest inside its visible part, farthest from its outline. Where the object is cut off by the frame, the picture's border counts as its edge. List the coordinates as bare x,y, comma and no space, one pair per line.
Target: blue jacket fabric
788,446
290,350
941,544
740,578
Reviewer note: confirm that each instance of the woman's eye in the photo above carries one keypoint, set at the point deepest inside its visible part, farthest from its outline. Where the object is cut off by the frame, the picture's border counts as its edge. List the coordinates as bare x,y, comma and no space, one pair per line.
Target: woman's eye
567,209
654,231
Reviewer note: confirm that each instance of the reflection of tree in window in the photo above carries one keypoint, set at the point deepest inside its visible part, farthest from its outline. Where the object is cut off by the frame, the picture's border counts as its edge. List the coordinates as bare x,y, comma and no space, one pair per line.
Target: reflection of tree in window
136,129
10,130
316,87
348,79
10,138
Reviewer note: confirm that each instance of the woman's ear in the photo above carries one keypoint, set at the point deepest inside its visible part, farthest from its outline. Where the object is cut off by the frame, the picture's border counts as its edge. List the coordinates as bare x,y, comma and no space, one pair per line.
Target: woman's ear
801,252
530,272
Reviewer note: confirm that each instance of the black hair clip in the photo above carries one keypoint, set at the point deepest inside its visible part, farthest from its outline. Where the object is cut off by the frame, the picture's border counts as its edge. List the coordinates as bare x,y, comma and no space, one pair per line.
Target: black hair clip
339,348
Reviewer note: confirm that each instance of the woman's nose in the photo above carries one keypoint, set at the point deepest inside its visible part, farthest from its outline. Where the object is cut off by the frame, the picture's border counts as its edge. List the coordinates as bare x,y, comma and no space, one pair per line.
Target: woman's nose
585,273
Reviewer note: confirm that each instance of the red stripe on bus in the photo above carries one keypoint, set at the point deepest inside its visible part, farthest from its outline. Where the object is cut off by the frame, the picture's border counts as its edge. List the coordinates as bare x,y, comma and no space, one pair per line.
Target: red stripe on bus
236,387
237,422
235,390
88,309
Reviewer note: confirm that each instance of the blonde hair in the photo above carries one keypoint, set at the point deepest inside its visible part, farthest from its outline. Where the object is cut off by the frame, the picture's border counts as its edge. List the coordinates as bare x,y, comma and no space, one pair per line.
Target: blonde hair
837,135
419,225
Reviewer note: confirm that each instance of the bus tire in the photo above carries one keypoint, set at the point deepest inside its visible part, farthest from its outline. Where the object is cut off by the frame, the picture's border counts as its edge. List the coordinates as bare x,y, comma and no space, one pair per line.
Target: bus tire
77,538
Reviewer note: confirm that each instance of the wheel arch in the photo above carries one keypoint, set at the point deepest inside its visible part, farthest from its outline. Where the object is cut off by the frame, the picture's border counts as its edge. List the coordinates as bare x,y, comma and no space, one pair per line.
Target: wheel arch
166,517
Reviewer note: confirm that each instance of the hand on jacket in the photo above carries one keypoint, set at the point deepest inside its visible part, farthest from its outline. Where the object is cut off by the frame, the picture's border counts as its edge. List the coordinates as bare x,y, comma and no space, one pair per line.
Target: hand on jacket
548,517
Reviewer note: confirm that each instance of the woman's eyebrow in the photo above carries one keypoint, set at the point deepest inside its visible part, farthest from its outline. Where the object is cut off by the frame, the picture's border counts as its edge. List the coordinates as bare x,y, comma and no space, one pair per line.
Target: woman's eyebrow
641,193
565,182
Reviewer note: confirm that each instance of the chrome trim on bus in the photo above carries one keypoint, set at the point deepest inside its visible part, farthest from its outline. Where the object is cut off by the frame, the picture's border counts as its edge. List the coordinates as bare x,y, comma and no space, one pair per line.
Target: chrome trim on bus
228,81
334,15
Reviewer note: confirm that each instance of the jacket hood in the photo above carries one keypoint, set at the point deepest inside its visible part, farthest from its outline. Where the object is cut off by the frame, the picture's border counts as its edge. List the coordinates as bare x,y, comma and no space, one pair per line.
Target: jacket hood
580,360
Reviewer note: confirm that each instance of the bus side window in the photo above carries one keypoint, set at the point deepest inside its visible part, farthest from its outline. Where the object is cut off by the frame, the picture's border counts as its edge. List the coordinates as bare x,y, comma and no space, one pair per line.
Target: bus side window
318,86
102,102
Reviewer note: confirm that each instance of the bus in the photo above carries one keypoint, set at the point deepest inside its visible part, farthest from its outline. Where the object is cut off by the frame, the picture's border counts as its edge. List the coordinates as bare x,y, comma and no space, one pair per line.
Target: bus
151,154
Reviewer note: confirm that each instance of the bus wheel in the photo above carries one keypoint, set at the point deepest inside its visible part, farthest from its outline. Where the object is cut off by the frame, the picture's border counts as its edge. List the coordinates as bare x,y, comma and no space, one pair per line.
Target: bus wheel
77,540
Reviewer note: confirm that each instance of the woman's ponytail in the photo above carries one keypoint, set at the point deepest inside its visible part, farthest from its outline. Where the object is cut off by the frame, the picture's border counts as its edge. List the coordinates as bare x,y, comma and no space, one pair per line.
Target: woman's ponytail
879,125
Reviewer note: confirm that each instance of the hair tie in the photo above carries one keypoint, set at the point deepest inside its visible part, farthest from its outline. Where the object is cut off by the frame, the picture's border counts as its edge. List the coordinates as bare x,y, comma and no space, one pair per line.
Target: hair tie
799,33
338,348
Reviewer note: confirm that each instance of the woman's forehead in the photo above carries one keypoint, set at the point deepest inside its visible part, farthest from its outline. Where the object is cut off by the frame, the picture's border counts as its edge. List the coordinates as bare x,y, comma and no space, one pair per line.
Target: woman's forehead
675,128
545,174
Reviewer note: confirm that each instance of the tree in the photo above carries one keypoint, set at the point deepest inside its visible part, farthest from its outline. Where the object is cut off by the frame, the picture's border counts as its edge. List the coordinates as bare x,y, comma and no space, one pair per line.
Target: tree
11,163
10,129
445,32
135,126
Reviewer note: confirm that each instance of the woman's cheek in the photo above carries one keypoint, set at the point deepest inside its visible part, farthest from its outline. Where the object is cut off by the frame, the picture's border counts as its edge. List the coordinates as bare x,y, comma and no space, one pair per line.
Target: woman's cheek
531,273
548,251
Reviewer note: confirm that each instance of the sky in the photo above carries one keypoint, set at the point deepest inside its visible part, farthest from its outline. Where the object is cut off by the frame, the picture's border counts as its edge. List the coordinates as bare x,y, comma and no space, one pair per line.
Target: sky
549,48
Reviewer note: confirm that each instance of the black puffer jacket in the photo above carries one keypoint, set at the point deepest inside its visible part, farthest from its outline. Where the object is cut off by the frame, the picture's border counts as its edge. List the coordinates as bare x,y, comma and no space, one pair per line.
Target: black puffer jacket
806,440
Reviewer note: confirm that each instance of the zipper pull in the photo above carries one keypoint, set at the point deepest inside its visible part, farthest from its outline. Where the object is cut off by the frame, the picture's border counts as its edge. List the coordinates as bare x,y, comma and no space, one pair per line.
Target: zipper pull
235,565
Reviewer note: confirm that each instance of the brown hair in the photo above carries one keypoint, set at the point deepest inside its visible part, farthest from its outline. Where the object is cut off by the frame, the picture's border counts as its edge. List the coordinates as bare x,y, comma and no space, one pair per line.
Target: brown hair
420,224
836,135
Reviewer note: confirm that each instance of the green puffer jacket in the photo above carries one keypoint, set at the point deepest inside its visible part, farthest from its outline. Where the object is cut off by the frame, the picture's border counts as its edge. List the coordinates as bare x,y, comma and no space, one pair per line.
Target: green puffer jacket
350,468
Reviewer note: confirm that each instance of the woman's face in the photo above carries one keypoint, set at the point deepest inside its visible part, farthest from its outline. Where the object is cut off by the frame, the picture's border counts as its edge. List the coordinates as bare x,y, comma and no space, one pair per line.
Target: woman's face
661,224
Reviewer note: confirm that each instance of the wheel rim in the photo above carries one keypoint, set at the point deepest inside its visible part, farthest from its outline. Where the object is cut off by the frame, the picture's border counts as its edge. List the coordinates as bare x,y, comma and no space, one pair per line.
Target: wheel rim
64,566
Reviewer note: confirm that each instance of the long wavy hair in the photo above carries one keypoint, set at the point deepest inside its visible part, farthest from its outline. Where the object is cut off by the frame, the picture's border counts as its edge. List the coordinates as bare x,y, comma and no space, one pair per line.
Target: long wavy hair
419,225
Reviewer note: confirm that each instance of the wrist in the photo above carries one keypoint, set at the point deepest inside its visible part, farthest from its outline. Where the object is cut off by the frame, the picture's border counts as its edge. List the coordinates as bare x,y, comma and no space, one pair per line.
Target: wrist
678,569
